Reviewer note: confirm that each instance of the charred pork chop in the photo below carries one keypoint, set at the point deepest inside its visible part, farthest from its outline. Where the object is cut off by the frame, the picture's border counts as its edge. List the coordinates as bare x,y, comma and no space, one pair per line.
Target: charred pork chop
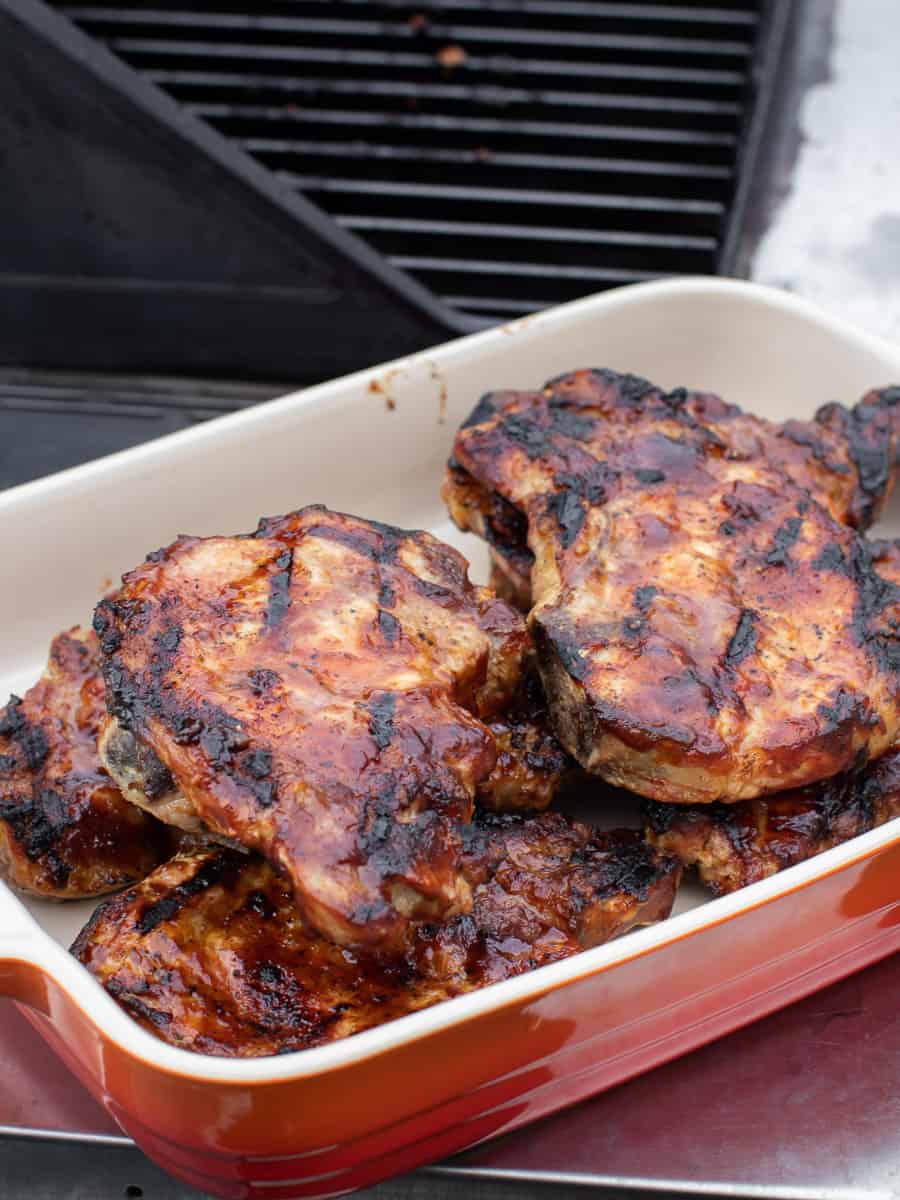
732,845
65,830
211,954
318,692
709,625
844,457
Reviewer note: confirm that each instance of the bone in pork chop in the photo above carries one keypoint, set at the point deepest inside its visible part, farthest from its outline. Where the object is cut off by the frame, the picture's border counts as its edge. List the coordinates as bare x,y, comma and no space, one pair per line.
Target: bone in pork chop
317,692
709,626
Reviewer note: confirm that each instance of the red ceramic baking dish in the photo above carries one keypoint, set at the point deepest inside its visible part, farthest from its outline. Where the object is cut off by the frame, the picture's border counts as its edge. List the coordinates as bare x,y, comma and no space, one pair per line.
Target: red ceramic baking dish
323,1121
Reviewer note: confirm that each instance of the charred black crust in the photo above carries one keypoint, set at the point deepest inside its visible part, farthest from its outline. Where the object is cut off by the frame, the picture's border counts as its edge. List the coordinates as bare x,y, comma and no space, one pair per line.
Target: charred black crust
870,445
382,706
743,640
527,435
38,822
873,625
568,511
258,763
845,708
30,738
575,496
627,864
389,626
784,538
644,597
356,540
831,558
219,868
649,475
564,646
568,424
280,590
263,681
483,411
659,817
221,736
136,1006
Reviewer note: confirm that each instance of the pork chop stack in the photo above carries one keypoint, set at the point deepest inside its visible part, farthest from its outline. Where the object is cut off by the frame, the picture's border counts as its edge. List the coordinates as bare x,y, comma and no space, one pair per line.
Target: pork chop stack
211,953
709,623
334,699
733,845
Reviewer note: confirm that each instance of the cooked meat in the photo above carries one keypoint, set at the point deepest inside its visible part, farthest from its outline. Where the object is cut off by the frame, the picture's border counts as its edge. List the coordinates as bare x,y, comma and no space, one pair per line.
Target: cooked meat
211,954
732,845
317,691
65,830
504,528
844,457
530,768
531,765
708,626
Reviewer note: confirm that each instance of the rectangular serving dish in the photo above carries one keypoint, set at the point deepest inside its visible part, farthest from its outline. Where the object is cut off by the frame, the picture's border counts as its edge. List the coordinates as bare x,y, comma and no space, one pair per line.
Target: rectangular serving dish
323,1121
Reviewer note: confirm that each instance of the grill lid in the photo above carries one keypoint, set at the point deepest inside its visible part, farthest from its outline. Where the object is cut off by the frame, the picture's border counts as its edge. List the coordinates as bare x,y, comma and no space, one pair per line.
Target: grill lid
508,156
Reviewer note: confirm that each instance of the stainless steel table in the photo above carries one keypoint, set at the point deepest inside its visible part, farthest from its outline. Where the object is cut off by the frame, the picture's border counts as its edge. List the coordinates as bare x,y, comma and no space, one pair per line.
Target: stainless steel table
805,1104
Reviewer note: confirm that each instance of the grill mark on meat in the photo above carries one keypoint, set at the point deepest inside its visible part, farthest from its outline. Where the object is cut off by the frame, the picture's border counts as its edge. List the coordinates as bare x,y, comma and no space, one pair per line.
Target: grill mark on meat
280,590
542,889
38,823
459,664
154,1016
846,707
382,706
483,411
220,869
389,626
31,738
743,640
576,494
785,537
527,436
831,559
568,511
648,475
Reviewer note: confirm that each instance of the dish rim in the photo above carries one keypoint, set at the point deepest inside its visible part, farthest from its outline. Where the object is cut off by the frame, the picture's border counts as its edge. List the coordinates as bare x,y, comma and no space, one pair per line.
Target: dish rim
26,942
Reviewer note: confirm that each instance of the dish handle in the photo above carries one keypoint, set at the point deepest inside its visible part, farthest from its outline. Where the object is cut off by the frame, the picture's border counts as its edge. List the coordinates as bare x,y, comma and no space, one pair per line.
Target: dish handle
21,978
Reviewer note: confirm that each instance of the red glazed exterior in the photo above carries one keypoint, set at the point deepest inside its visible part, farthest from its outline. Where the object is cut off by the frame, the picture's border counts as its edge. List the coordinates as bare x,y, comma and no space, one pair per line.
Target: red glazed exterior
489,1073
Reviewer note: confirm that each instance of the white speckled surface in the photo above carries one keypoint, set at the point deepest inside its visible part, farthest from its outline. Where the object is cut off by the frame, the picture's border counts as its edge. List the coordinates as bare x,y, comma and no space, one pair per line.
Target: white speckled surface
835,239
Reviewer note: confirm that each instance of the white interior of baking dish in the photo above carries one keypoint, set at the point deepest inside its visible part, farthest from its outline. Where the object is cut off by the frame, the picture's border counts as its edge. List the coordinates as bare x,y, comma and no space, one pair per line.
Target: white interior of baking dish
375,443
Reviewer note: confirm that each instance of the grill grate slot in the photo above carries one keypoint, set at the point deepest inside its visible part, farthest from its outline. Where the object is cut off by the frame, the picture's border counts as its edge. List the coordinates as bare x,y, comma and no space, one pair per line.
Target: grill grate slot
508,156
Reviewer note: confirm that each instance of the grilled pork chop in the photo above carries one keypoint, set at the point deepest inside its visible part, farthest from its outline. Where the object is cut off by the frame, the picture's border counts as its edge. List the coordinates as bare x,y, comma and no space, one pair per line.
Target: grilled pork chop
211,954
732,845
844,457
317,692
708,624
65,830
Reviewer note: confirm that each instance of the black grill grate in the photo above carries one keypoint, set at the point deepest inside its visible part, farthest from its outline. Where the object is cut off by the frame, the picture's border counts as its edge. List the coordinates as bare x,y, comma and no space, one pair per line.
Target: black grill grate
508,155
